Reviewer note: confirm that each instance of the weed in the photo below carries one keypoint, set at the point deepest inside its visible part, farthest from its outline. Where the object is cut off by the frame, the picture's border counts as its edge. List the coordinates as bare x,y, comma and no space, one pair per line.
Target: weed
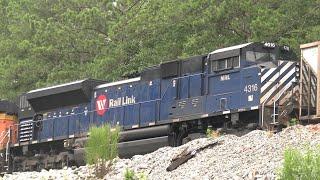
303,165
212,133
101,148
130,175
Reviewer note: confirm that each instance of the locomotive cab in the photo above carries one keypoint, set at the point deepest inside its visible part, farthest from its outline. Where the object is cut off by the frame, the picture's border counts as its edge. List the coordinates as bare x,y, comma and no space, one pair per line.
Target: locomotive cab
249,54
266,55
249,79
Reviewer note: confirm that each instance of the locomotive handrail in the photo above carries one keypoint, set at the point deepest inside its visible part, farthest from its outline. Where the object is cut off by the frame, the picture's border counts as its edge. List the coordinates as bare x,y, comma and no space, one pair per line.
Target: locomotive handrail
262,109
274,102
5,134
2,134
263,105
8,145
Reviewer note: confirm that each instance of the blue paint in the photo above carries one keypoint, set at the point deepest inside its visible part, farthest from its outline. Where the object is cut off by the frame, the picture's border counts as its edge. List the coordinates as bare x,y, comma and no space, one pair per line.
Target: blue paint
146,103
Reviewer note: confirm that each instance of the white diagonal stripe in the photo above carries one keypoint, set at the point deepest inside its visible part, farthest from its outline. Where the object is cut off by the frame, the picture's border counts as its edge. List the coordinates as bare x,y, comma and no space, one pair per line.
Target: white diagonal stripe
267,74
282,80
285,88
281,71
275,76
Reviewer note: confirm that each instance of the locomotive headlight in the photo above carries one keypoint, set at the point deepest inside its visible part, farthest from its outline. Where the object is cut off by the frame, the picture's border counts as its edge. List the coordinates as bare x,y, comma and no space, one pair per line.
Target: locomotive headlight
297,68
297,73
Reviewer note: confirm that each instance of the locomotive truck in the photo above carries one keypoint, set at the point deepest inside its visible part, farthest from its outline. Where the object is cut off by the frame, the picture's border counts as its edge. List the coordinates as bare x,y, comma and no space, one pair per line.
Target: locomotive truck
168,104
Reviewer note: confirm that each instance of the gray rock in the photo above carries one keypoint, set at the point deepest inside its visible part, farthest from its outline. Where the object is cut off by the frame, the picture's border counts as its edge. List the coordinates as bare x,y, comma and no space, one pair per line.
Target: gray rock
256,155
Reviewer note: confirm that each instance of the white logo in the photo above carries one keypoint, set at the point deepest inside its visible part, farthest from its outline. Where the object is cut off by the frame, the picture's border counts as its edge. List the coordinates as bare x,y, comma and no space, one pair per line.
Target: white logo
122,101
225,77
101,104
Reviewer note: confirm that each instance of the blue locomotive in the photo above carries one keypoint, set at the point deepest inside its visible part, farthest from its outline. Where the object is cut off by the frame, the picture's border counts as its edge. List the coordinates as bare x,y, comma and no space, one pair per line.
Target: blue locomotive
168,104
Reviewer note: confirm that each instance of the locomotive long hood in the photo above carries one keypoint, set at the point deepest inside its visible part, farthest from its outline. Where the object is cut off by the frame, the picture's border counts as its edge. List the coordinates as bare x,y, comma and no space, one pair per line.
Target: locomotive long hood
68,94
8,107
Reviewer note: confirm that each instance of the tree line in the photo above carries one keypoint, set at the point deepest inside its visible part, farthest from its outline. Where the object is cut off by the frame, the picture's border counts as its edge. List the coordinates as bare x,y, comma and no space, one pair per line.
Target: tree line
47,42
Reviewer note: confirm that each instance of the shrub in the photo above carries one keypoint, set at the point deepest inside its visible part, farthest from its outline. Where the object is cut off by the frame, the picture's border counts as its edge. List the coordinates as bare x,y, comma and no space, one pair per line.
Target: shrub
101,148
301,165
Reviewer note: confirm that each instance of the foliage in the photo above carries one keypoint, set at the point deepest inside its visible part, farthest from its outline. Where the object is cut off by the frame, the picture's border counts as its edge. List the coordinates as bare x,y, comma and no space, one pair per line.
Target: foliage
293,122
212,133
49,42
130,175
301,165
101,148
209,132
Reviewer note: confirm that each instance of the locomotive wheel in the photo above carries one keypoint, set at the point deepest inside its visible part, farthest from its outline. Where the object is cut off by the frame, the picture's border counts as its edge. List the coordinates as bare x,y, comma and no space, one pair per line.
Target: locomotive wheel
39,167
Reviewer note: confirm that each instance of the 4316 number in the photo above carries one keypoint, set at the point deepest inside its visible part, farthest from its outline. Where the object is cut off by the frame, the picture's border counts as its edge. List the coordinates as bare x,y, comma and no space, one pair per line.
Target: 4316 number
251,88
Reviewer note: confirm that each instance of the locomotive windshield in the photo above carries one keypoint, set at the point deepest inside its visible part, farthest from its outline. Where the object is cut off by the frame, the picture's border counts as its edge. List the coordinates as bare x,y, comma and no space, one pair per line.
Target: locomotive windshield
267,52
253,56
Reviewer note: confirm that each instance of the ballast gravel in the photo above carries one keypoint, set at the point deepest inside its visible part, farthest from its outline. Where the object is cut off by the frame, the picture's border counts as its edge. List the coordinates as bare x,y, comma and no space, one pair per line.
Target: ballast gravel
256,155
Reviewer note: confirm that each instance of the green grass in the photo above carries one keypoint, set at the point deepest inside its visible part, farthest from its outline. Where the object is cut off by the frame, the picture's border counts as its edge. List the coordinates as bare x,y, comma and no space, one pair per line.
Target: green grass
101,148
102,144
293,122
131,175
302,165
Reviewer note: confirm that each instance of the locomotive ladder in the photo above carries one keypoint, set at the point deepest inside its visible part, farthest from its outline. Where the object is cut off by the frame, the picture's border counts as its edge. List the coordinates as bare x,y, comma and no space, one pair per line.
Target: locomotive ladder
276,114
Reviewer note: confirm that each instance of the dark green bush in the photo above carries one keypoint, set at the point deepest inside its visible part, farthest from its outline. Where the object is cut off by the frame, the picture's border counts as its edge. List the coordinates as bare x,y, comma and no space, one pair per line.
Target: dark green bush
302,165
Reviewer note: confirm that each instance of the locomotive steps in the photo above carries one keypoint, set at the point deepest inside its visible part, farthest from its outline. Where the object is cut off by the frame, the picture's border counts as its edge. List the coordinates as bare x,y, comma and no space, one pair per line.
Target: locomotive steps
257,154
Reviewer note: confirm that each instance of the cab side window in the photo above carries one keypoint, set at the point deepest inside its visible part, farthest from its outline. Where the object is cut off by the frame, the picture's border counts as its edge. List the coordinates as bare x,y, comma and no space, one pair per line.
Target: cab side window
226,63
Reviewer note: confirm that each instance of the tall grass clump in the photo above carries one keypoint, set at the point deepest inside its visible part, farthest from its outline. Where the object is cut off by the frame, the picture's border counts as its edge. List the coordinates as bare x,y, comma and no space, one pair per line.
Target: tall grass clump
302,165
101,148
